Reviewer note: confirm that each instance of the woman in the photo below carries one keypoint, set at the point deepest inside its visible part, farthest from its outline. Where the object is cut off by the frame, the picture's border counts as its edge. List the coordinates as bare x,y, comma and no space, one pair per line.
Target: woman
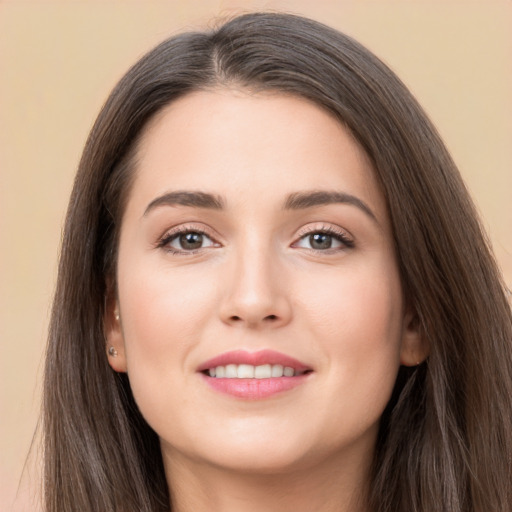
274,293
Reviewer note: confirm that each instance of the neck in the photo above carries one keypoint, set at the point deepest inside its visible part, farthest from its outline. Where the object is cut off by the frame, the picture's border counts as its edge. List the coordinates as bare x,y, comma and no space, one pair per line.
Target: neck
201,488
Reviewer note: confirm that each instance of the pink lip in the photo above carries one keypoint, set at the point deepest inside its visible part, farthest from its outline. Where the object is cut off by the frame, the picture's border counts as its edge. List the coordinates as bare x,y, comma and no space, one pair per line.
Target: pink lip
254,389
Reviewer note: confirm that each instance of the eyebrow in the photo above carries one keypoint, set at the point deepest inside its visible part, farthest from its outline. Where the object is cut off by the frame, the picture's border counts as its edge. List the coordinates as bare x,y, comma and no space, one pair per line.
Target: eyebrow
303,200
186,198
295,201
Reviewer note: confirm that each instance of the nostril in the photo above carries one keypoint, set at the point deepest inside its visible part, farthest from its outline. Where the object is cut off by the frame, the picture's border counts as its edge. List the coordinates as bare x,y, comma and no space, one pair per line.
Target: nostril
242,319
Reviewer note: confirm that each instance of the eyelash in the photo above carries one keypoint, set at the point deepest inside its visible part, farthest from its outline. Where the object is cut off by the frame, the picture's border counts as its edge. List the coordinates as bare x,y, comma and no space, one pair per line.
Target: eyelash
341,236
170,236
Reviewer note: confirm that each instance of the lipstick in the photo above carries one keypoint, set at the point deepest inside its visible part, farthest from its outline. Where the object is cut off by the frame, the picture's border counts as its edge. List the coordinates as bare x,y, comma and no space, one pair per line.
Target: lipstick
253,375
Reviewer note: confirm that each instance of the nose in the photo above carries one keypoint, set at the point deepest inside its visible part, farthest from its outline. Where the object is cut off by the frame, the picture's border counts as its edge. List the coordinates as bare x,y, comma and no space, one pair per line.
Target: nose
255,292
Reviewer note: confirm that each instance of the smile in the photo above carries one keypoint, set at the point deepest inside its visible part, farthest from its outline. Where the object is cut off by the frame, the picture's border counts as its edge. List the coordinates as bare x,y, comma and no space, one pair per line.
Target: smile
248,371
254,375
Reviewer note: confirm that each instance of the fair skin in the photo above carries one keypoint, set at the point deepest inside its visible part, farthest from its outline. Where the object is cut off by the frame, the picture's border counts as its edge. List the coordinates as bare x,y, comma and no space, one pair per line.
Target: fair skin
253,269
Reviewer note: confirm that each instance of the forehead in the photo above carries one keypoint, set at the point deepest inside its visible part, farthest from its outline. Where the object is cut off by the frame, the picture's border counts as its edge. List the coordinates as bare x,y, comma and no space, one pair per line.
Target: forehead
245,146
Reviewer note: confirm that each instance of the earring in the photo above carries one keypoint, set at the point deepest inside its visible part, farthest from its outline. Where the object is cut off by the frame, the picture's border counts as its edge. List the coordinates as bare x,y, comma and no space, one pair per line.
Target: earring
116,315
112,352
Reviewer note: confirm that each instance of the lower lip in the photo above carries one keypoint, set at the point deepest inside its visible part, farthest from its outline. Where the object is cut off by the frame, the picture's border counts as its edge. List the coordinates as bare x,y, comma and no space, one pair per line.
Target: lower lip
254,389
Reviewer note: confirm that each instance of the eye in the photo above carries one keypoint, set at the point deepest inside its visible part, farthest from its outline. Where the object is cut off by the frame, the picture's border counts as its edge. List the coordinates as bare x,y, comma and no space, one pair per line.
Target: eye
325,239
186,241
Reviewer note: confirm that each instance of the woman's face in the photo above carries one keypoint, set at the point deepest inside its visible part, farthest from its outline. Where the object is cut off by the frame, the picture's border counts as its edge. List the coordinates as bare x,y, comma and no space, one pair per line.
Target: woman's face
255,247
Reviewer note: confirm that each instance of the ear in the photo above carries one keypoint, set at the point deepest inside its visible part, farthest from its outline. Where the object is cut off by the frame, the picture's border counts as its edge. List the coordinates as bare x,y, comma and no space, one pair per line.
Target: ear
113,331
414,348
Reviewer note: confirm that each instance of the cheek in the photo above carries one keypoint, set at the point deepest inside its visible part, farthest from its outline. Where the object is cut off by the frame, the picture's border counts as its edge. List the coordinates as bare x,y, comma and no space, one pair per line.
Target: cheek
356,303
162,309
163,316
357,320
163,313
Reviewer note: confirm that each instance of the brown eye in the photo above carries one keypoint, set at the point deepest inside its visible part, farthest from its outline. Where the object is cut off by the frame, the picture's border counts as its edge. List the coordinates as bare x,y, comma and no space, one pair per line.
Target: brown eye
189,241
325,240
320,241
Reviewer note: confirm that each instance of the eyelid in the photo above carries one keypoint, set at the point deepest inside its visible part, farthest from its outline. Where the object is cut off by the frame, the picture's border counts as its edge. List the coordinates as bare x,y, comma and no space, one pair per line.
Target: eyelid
321,227
339,233
314,227
171,233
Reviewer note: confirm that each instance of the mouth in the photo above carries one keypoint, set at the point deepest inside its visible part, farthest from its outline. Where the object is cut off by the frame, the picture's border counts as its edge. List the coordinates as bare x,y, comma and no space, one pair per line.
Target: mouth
248,371
254,375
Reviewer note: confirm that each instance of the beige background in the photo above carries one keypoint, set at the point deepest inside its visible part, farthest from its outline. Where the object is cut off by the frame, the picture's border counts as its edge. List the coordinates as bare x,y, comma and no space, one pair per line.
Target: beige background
58,61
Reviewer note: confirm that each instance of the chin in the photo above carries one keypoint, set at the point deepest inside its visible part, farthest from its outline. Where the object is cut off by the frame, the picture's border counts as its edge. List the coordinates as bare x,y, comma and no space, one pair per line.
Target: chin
262,461
264,450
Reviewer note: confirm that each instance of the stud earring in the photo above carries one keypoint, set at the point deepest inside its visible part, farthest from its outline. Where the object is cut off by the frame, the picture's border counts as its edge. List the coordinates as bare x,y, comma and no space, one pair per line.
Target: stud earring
116,315
112,352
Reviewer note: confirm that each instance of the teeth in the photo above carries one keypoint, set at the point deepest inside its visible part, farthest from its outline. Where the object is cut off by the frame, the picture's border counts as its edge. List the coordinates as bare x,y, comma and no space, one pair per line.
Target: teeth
277,370
231,371
248,371
245,371
288,372
263,372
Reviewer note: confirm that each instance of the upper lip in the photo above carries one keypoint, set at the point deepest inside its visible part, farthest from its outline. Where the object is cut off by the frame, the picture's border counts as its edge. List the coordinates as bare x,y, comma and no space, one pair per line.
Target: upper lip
258,358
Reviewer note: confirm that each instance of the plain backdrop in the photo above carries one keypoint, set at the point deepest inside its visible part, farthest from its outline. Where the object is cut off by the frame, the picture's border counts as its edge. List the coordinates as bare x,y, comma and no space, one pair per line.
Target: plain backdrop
58,62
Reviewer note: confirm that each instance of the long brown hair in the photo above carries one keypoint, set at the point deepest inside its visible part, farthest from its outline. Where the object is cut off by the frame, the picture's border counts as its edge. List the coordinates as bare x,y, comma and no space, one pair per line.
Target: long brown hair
445,442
